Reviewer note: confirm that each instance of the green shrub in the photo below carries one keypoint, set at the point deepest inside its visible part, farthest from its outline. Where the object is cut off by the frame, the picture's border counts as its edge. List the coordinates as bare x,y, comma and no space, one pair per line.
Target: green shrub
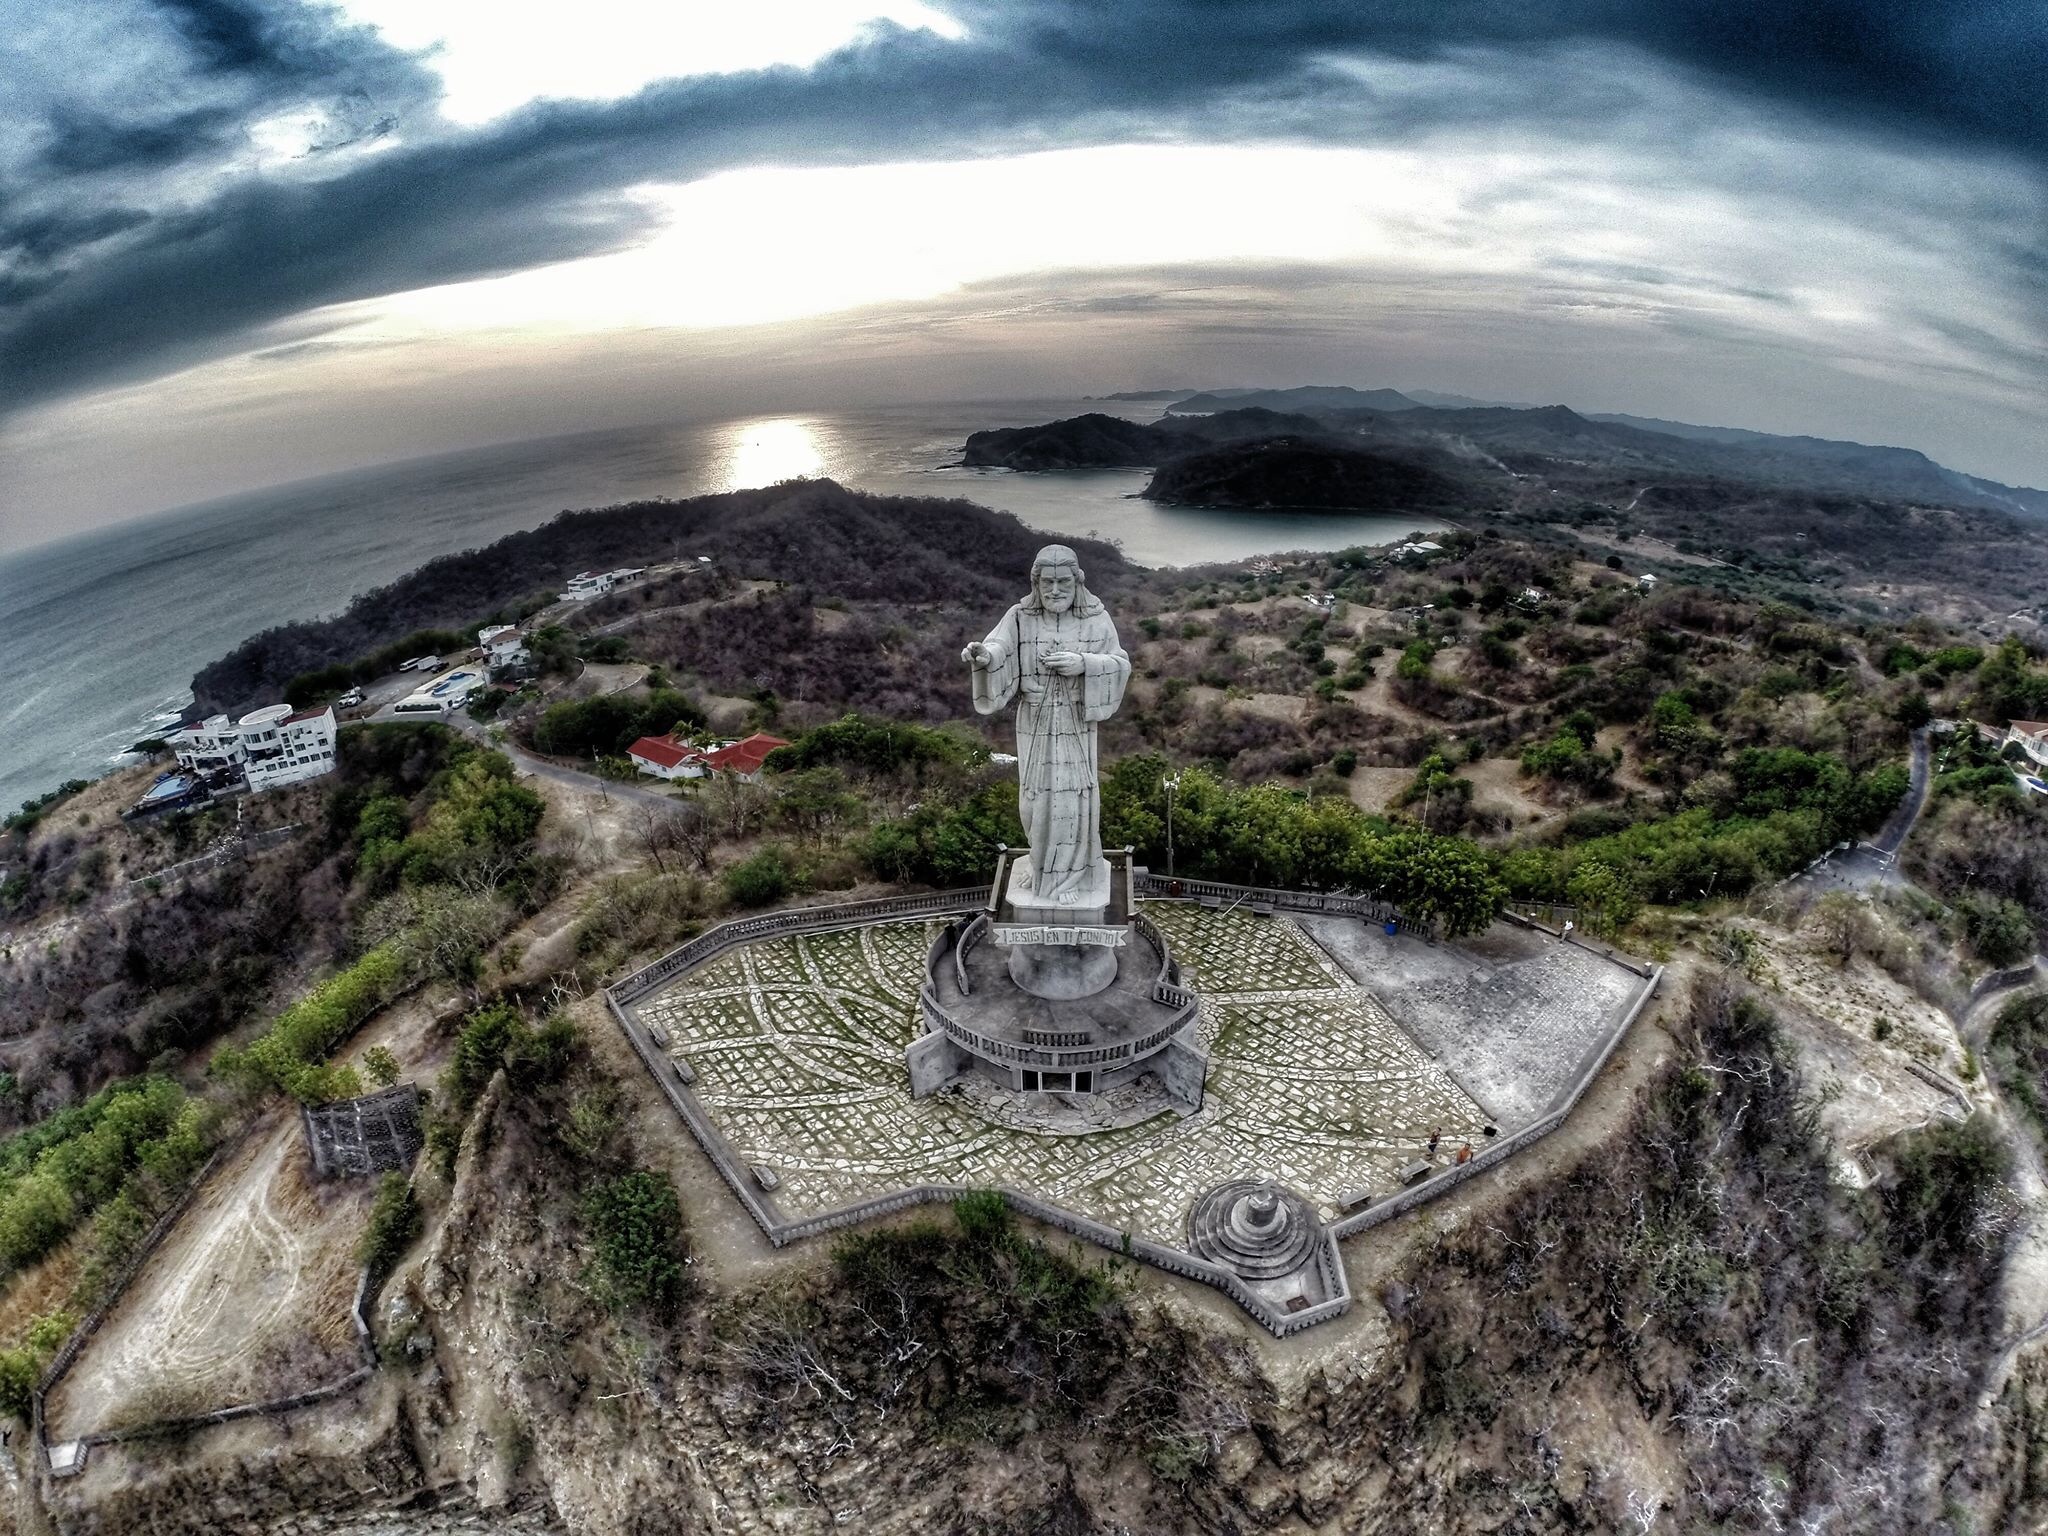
394,1223
1999,930
1944,1175
498,1036
289,1054
873,747
1269,834
760,881
141,1132
946,845
636,1228
1415,661
22,1366
609,723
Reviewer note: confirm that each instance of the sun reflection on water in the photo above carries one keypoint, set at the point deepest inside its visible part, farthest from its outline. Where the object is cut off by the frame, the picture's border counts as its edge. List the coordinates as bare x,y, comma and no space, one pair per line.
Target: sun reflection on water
765,452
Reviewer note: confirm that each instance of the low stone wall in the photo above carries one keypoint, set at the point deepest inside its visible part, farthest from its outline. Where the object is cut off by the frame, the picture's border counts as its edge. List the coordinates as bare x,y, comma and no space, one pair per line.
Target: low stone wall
358,1314
67,1356
819,919
1258,897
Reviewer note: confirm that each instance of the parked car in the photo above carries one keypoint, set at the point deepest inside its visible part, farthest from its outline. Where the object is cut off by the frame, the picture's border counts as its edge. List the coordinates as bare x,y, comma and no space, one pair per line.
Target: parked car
350,699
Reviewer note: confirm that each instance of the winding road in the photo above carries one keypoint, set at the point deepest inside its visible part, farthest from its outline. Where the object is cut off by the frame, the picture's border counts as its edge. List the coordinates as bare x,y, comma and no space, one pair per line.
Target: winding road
1875,863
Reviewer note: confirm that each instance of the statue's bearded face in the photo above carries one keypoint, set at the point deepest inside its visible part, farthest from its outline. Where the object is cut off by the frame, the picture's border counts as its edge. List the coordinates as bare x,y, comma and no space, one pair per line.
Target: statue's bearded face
1056,586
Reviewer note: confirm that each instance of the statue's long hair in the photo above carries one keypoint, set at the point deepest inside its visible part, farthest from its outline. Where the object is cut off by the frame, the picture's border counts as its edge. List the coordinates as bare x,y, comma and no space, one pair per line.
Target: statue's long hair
1086,603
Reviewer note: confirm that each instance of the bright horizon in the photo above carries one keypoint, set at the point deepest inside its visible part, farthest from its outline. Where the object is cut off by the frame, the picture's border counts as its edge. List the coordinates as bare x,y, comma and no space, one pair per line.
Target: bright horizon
254,242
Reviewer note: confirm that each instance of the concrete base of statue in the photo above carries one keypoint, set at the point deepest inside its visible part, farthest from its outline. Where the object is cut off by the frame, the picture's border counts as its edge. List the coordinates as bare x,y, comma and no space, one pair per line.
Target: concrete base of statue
1062,972
1059,950
1062,1000
1087,907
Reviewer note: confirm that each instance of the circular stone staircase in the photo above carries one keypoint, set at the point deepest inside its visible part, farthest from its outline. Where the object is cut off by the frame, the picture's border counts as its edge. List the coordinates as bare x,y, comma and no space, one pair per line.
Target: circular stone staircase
1255,1227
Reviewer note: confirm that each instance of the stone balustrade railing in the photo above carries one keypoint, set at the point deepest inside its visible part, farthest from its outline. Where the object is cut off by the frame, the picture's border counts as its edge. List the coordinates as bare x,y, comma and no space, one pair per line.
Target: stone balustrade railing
714,942
1369,909
1059,1058
1562,1103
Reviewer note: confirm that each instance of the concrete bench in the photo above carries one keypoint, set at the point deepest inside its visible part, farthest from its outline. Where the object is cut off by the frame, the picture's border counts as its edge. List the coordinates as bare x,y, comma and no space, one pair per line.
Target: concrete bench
1416,1172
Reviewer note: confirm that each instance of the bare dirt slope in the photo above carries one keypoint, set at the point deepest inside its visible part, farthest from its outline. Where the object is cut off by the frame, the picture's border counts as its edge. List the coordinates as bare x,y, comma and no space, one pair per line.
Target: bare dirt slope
247,1299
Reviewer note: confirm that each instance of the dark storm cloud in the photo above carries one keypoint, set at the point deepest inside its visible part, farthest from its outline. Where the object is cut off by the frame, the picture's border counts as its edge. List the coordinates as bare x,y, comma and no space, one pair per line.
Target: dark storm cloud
82,142
545,183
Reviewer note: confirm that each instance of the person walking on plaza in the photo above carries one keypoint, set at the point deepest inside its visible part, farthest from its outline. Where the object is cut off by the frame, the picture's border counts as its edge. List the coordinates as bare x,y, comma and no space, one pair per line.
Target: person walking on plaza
1435,1135
1465,1154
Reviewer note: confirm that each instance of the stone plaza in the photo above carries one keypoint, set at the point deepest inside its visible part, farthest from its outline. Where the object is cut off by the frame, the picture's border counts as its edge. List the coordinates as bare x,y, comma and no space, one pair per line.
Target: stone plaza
793,1046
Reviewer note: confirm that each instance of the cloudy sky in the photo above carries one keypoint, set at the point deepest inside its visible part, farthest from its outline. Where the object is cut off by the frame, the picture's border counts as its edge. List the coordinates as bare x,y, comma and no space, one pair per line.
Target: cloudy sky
243,241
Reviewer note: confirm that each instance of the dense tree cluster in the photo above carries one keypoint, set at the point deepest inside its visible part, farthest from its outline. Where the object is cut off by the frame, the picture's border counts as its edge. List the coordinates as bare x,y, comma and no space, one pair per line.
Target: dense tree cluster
608,723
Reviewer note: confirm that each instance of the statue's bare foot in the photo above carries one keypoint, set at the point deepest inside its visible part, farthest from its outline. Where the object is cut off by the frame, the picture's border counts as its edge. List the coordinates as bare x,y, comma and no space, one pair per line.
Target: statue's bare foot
1068,898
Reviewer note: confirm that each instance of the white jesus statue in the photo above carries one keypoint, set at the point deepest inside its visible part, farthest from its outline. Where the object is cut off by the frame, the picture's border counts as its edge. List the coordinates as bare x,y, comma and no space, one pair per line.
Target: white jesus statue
1057,654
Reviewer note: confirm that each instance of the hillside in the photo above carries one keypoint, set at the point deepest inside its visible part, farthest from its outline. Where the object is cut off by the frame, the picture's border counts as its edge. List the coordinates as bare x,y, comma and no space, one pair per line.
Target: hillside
1838,525
1294,472
1096,441
1762,1274
905,549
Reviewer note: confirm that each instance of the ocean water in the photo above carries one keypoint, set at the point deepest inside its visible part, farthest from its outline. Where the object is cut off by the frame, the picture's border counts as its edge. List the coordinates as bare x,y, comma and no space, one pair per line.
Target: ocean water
100,634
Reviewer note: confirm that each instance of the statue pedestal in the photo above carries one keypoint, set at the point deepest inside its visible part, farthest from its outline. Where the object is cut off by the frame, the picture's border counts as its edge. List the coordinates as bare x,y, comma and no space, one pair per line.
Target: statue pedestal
1062,972
1089,908
1076,1000
1060,950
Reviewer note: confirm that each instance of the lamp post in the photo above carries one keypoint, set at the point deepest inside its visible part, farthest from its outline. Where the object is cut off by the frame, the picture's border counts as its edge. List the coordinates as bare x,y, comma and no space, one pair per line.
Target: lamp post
1172,785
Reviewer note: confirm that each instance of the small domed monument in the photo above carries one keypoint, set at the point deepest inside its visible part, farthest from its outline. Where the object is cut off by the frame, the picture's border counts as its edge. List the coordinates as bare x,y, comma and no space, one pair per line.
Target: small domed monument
1045,990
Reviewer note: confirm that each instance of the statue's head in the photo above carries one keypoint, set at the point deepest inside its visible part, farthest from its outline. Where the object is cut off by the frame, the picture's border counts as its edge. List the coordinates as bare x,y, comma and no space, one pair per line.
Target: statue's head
1058,582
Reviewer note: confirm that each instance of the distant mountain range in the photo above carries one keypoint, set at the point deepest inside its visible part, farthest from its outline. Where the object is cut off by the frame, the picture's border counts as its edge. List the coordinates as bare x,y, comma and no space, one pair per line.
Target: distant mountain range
1418,418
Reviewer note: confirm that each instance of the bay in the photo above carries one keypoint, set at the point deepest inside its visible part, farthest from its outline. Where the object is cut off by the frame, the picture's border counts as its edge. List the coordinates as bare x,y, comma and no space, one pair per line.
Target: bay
100,634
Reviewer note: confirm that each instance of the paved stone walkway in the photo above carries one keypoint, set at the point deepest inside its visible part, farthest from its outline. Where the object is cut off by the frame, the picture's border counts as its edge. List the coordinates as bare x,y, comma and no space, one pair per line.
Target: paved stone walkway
1512,1012
797,1045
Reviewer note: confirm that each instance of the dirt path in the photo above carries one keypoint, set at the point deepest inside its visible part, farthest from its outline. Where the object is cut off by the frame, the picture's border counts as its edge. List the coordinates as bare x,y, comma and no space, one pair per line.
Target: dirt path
247,1299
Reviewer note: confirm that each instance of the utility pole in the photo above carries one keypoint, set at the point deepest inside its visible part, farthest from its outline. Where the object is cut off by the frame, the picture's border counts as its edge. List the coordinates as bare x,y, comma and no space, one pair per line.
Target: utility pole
1172,785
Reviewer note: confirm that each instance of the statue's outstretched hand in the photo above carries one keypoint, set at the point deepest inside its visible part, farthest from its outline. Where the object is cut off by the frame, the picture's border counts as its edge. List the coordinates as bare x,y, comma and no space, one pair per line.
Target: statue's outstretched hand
976,655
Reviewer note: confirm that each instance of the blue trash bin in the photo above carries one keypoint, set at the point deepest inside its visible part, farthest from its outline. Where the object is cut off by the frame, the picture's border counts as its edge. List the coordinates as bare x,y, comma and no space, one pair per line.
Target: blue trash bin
1393,927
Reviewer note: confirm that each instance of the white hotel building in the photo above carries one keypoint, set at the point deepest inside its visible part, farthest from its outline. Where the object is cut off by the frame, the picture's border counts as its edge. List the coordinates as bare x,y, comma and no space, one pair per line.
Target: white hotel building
266,747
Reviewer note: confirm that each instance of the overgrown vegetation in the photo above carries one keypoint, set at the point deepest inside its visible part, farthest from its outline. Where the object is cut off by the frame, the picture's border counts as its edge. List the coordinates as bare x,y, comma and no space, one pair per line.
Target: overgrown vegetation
986,1335
636,1229
394,1224
1707,1269
290,1055
606,724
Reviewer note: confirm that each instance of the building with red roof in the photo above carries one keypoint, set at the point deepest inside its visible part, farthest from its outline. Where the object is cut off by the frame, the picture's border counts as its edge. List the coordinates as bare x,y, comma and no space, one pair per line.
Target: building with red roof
666,758
743,759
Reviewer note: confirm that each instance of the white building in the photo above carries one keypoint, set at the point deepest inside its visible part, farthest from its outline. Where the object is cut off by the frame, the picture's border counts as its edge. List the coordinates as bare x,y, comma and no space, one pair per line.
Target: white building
2031,737
266,747
503,647
587,584
664,757
442,695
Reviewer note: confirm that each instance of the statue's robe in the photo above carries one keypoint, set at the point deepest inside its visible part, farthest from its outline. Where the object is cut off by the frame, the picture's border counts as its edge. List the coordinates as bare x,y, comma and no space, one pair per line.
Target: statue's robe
1056,716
